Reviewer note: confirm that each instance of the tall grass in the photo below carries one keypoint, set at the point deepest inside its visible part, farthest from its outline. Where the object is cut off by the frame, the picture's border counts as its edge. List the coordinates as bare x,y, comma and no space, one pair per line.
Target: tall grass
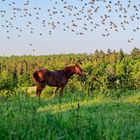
75,116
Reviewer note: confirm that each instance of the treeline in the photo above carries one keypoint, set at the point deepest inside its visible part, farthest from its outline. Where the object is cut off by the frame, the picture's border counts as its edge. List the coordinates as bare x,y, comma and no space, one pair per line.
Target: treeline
104,71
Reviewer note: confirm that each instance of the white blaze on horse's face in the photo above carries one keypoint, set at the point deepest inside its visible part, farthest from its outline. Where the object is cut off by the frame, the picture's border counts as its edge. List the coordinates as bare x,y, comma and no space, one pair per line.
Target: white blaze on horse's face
79,71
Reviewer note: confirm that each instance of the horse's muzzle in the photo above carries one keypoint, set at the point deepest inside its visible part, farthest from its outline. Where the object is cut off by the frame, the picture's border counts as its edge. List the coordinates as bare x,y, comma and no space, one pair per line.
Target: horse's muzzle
83,73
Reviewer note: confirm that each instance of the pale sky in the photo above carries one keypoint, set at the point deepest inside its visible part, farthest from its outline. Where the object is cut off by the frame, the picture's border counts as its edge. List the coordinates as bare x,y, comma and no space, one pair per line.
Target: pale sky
63,41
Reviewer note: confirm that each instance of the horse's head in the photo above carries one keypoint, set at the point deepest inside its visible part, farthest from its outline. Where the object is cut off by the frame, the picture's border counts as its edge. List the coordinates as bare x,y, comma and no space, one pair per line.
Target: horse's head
74,69
78,70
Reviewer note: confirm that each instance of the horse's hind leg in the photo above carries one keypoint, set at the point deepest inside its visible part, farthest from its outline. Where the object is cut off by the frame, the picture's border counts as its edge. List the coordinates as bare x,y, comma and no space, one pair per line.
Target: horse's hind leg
61,90
54,91
39,90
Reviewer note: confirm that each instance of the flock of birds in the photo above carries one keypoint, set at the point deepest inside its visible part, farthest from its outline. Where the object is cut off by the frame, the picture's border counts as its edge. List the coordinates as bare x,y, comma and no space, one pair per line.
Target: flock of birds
77,17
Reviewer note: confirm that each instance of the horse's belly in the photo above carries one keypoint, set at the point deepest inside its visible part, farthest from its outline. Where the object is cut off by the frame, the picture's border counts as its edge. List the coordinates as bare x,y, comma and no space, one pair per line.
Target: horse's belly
57,81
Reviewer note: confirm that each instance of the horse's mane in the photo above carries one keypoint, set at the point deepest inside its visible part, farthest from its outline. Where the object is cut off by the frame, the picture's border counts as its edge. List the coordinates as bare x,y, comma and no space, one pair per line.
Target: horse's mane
70,65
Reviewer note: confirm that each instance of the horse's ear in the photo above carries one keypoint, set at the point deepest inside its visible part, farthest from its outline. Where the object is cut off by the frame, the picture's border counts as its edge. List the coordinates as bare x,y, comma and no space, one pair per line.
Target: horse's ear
76,64
79,62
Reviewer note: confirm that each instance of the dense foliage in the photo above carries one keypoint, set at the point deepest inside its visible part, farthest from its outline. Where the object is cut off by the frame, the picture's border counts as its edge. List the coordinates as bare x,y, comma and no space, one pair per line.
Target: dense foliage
110,70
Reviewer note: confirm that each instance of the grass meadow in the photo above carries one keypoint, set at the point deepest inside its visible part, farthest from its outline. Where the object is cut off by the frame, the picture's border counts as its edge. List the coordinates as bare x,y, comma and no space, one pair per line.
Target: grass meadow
74,116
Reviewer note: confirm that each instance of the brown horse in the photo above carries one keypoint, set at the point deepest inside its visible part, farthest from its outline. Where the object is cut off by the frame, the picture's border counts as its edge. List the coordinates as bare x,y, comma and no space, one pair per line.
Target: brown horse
57,79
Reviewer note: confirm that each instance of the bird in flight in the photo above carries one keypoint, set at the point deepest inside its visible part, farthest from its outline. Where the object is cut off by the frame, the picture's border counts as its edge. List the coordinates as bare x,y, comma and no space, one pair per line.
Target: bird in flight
79,17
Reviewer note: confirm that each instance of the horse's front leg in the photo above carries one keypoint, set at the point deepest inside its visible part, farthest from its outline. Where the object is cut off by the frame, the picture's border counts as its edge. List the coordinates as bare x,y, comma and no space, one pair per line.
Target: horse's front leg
61,90
55,90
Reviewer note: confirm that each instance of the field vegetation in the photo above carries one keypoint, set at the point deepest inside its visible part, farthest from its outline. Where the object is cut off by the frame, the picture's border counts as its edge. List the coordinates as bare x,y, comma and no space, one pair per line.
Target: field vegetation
75,116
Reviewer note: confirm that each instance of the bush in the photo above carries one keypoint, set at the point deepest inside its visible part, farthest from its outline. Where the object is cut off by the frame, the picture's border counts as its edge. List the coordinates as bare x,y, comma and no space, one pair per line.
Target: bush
7,81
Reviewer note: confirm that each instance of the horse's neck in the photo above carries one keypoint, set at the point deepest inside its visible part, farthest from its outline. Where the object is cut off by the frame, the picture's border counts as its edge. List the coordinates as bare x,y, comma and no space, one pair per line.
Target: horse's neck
69,74
69,71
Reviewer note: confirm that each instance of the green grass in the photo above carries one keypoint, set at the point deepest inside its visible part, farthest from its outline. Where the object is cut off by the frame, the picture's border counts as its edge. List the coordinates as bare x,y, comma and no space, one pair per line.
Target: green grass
75,116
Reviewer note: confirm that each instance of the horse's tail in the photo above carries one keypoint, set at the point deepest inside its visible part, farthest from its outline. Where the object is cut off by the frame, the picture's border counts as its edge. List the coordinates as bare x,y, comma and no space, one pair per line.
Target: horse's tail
39,76
36,77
